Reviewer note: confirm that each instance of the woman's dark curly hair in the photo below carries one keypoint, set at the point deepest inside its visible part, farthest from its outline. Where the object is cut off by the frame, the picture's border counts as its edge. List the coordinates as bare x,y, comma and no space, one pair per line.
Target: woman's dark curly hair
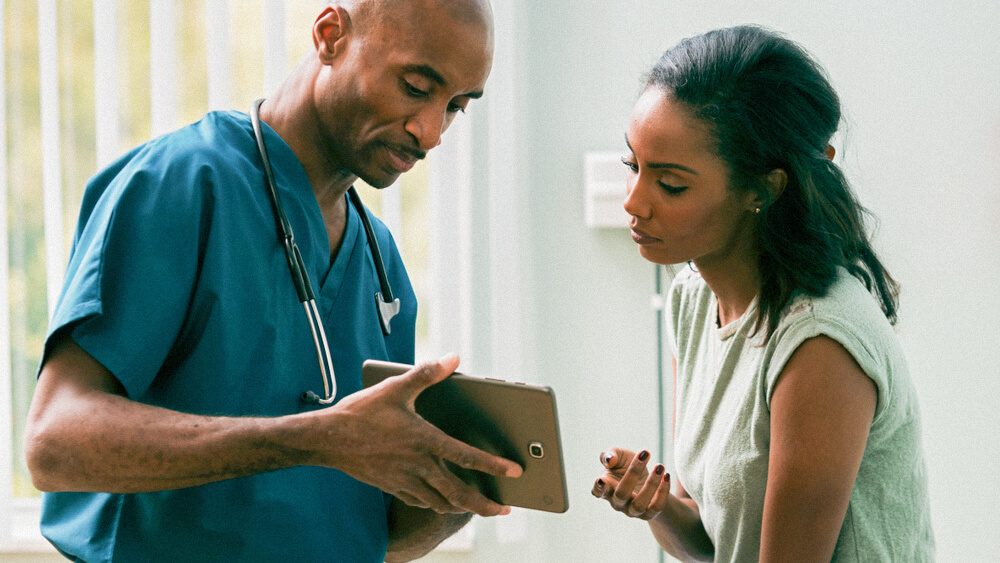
770,106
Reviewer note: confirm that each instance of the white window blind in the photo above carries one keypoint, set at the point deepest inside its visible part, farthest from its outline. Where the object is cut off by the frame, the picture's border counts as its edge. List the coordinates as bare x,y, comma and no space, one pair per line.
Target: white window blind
118,120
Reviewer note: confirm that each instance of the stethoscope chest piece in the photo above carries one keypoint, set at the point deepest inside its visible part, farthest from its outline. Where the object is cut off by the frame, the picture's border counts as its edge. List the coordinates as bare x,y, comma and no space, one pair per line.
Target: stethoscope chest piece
386,311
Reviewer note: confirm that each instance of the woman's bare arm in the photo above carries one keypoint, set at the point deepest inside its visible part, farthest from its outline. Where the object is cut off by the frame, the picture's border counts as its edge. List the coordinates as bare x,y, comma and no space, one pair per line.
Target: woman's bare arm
821,412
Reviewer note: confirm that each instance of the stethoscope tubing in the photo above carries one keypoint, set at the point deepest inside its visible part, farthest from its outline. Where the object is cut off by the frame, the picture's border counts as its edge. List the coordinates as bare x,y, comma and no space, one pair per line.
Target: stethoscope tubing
300,276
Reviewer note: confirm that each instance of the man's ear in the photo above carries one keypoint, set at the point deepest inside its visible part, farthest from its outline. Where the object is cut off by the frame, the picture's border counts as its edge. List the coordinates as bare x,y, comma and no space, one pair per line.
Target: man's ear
329,30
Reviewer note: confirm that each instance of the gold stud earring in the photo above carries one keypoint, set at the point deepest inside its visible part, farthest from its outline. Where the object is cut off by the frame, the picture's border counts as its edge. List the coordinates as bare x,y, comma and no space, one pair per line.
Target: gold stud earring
756,210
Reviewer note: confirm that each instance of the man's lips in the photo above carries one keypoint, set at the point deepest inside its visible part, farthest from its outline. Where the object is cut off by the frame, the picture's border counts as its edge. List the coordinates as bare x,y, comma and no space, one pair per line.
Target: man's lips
401,159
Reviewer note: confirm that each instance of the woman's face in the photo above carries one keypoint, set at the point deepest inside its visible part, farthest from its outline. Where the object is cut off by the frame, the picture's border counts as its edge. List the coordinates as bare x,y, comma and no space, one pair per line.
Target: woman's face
678,189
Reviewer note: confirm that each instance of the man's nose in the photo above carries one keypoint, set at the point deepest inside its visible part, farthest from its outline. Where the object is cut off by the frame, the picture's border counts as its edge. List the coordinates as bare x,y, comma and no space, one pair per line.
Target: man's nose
427,127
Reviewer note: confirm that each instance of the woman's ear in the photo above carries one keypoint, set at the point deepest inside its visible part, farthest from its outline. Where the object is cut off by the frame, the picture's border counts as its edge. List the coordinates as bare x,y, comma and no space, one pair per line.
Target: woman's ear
774,182
330,28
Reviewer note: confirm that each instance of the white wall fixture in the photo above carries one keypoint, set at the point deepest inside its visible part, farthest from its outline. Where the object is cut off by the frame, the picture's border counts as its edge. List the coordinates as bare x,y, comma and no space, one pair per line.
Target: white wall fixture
604,178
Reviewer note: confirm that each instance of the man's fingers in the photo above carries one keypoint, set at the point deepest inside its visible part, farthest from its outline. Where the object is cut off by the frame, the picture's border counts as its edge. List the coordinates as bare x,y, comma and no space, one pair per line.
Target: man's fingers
428,373
410,499
464,455
460,497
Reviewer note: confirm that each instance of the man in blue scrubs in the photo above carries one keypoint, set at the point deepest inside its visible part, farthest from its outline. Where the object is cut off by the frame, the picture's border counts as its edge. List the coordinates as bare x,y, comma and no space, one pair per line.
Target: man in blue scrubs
167,424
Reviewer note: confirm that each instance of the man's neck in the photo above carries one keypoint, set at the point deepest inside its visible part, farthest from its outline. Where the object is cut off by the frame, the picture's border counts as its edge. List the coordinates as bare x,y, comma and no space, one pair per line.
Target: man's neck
290,113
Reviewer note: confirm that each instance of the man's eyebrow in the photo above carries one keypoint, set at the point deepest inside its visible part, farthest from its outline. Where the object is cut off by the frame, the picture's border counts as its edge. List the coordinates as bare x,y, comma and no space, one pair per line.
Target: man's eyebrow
663,165
429,72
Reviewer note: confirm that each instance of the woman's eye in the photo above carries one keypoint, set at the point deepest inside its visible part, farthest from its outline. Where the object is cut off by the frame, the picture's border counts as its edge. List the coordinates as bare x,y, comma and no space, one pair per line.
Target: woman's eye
631,165
672,190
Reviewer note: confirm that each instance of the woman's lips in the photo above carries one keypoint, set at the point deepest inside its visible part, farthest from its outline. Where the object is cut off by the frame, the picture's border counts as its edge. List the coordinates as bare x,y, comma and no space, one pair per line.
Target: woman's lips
642,238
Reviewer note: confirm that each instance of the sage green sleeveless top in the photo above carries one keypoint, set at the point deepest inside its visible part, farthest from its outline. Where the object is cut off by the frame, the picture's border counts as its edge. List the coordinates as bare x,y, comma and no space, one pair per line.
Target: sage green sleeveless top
725,380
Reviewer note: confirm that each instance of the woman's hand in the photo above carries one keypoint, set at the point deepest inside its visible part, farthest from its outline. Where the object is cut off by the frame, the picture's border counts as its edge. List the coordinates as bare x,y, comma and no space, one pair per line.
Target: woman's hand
629,487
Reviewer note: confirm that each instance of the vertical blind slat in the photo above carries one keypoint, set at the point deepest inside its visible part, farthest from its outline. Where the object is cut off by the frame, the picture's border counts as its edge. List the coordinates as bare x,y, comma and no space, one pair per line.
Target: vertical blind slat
219,60
449,186
162,66
504,245
48,62
275,50
6,391
106,124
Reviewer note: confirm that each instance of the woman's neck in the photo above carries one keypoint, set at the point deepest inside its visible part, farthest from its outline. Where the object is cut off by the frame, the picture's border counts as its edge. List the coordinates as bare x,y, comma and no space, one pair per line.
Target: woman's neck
735,283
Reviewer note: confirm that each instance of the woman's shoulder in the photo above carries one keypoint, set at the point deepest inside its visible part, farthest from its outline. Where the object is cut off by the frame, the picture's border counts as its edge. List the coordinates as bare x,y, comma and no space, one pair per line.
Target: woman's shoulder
849,314
847,302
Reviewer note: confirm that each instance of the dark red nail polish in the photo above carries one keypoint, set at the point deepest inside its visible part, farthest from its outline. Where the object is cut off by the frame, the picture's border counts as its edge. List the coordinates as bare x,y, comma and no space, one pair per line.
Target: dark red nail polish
600,483
666,476
658,470
643,455
607,458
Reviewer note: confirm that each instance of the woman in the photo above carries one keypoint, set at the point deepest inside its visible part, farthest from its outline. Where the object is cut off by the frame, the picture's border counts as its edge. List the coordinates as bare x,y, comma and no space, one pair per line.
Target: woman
796,425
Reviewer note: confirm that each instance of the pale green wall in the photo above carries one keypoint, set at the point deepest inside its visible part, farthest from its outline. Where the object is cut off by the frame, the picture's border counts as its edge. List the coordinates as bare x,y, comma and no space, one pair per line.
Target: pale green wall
919,84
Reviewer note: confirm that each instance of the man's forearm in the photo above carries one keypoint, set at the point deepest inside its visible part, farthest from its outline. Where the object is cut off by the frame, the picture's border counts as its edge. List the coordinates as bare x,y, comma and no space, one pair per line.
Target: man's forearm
120,446
414,532
83,435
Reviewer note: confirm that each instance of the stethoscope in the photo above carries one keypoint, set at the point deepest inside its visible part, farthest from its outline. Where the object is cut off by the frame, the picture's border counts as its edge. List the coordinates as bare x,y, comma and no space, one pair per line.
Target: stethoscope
385,304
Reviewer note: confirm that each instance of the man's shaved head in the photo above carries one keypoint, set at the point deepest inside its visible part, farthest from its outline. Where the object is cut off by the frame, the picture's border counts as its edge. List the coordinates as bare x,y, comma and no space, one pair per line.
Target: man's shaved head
366,12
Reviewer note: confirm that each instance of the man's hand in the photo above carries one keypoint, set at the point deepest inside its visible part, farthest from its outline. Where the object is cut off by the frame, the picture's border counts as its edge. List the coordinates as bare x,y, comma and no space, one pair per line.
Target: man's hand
377,437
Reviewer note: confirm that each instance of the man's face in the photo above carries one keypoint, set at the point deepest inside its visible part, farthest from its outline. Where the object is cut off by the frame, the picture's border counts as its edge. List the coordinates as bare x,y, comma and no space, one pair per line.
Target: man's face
397,87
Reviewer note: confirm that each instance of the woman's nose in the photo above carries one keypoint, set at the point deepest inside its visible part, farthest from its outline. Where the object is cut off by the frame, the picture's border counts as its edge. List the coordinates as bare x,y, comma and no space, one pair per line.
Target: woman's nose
636,203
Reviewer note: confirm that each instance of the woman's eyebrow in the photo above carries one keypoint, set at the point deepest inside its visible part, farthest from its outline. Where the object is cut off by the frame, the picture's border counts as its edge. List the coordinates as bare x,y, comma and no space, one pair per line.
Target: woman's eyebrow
663,165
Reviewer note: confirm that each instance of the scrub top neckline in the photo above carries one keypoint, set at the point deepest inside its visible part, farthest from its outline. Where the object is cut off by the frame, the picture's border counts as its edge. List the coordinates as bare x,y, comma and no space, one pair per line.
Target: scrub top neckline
291,177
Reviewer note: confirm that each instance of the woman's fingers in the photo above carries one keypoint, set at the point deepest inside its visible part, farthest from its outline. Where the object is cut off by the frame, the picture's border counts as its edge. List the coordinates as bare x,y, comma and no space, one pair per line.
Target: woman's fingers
617,460
635,474
605,486
660,497
637,507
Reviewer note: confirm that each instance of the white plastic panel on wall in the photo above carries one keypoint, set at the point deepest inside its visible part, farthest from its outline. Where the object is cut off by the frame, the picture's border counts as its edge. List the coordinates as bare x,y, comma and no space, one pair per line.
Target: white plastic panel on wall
604,178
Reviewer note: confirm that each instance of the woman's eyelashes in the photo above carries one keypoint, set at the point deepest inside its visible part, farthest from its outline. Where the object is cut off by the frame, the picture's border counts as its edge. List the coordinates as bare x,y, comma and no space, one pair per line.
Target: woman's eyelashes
672,190
633,166
630,164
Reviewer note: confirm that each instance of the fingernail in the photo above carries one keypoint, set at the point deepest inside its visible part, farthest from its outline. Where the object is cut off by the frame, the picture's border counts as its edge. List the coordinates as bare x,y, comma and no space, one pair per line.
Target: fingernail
643,455
448,358
515,471
666,476
505,511
658,470
606,457
600,484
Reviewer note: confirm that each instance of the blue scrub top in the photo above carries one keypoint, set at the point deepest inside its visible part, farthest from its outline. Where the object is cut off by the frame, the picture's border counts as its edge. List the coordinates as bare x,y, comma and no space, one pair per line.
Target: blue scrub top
177,283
